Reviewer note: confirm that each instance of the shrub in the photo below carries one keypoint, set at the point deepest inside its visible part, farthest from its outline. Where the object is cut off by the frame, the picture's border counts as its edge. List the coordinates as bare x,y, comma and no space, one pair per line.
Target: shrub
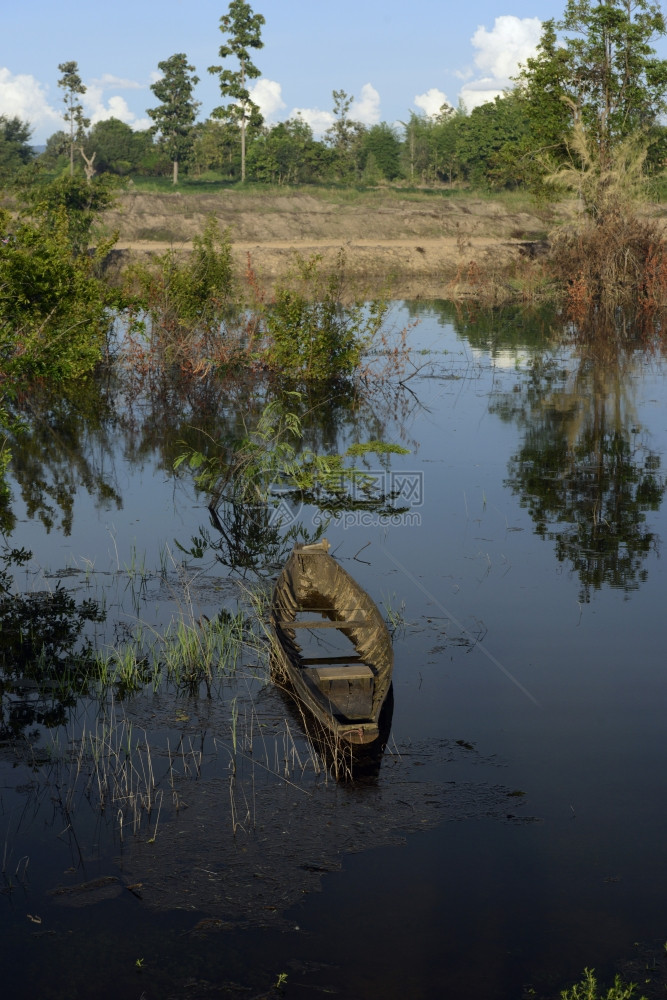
186,300
70,200
53,306
313,335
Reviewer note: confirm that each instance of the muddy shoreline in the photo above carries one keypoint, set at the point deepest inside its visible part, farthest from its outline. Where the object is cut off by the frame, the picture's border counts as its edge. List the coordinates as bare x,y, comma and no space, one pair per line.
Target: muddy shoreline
428,247
406,270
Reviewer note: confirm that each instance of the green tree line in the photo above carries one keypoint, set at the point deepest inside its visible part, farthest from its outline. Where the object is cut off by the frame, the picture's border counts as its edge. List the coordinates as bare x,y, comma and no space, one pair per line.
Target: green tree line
595,69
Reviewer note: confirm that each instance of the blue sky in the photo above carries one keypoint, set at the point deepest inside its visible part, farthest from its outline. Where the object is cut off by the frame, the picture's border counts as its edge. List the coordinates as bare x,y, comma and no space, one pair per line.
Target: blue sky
394,56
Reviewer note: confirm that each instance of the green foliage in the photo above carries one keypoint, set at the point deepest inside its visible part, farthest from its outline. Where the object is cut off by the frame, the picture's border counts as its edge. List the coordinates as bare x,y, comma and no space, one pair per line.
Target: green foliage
417,147
53,304
253,478
617,83
588,989
434,147
15,149
377,448
603,75
174,118
55,152
118,148
382,143
490,142
543,87
345,138
69,206
53,308
287,153
313,335
216,147
191,294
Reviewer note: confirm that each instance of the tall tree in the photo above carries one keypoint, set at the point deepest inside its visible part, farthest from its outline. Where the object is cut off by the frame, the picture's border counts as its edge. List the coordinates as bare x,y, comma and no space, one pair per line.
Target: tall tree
175,116
71,83
244,30
544,83
606,68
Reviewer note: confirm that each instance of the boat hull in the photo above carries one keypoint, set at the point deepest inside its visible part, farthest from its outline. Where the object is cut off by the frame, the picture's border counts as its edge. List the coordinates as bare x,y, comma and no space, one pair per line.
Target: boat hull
345,694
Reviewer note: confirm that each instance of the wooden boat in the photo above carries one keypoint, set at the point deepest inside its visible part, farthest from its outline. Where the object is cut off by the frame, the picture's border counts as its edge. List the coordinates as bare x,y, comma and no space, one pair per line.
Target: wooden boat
344,693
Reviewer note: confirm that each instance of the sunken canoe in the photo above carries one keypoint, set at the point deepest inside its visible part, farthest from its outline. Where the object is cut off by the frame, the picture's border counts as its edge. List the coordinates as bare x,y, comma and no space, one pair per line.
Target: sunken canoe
344,693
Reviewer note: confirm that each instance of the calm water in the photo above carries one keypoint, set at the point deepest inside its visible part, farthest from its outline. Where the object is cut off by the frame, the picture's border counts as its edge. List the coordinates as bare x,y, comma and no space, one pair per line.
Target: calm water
530,659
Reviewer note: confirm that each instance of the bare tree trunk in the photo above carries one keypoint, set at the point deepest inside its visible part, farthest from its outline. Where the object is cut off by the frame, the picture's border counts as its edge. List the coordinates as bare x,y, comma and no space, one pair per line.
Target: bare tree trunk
242,123
89,168
174,178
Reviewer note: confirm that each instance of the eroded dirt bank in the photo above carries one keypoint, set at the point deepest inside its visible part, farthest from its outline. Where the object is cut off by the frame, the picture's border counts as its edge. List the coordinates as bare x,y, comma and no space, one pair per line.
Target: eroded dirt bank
419,246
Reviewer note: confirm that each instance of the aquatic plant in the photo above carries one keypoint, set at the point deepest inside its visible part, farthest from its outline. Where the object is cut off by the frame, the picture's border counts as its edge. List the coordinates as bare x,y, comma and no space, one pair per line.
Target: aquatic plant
256,481
588,989
313,332
395,615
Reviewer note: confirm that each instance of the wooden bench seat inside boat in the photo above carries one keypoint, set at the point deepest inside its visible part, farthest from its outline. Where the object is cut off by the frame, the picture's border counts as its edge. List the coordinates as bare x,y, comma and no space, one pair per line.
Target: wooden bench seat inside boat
324,623
348,688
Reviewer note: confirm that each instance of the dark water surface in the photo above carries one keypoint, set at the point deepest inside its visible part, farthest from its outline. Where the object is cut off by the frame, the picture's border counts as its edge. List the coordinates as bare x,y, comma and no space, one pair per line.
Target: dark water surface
516,829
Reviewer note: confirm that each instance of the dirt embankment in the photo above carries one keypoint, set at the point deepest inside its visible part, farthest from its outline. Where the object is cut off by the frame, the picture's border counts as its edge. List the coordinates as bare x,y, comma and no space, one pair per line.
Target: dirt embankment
427,245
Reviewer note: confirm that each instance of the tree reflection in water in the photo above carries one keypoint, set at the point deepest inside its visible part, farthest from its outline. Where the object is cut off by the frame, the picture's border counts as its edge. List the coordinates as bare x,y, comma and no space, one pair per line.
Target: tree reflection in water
584,470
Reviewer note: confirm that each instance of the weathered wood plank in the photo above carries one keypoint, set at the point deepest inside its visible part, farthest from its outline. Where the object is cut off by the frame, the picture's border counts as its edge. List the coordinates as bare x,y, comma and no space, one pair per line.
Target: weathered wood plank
321,623
313,661
352,674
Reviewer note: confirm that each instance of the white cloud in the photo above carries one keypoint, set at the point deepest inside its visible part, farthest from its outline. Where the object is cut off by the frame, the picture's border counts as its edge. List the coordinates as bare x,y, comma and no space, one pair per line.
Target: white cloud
500,52
318,120
367,108
99,109
510,42
118,82
480,92
25,97
267,95
431,102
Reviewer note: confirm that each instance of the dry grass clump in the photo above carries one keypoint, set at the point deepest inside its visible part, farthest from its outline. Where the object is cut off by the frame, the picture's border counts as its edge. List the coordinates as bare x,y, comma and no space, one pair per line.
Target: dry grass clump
617,263
615,260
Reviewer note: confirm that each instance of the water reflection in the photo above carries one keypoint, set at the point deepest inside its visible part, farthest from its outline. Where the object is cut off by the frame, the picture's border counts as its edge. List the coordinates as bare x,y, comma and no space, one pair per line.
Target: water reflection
584,469
61,442
514,328
570,446
45,667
